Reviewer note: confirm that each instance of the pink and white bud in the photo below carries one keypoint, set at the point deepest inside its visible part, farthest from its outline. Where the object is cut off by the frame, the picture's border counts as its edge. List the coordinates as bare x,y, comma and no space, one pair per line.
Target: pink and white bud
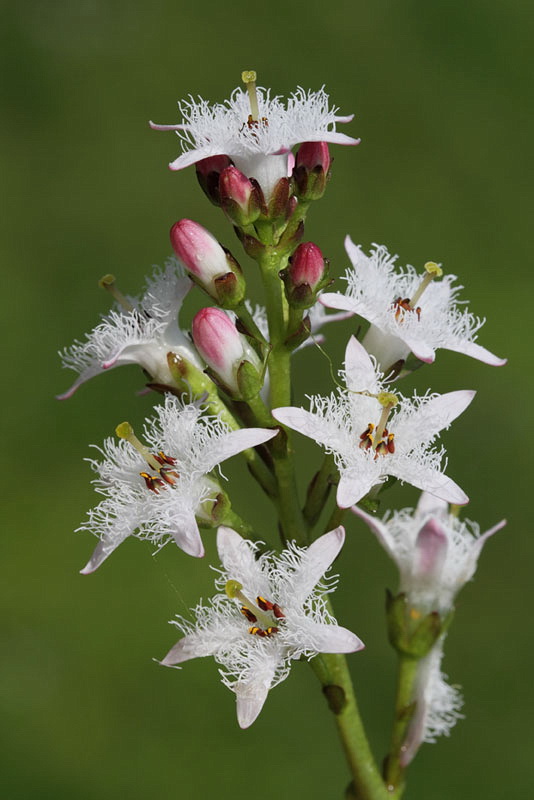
208,172
306,266
240,198
313,156
222,347
208,263
312,170
430,553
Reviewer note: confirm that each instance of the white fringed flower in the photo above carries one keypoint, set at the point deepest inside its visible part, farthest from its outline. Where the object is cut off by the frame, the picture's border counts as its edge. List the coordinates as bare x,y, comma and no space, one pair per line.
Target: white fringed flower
256,138
157,492
437,705
352,426
141,333
435,551
403,318
270,610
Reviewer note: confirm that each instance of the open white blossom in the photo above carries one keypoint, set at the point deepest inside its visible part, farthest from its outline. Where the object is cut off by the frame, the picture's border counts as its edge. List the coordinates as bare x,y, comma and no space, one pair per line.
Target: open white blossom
352,426
138,331
436,552
407,312
437,704
256,134
270,610
158,491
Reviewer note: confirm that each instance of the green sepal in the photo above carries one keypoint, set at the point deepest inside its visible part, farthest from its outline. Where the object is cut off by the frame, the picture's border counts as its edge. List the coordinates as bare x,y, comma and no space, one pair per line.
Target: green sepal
230,289
412,632
310,184
252,246
249,380
187,377
299,336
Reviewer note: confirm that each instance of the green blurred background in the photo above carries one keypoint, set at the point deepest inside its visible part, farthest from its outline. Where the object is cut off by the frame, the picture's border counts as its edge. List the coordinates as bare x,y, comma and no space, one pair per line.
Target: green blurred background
440,92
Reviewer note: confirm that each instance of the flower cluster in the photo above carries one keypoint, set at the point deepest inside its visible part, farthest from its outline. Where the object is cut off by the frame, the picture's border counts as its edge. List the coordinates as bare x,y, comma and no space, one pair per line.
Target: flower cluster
226,380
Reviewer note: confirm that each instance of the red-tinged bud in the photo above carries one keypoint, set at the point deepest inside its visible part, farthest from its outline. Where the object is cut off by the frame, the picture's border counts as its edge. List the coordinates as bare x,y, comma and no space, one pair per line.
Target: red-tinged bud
279,206
230,358
209,264
208,174
306,274
312,170
241,199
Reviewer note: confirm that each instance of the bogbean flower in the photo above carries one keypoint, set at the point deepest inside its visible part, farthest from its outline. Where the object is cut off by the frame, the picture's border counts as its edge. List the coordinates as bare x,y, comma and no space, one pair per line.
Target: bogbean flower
269,611
138,331
374,433
407,311
436,554
160,490
435,551
256,131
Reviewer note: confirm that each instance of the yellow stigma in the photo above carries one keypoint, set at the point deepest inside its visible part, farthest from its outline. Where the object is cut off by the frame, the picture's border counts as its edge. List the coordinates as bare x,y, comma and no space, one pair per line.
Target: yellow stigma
107,282
387,399
432,270
248,76
233,589
125,431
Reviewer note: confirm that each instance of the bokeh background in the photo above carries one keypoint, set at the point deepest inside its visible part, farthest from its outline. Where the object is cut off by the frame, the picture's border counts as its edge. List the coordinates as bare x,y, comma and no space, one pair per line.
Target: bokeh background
441,93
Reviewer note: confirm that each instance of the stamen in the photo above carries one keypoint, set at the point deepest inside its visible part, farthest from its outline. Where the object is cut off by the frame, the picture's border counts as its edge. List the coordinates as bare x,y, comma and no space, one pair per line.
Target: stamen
253,612
433,270
125,431
107,282
249,79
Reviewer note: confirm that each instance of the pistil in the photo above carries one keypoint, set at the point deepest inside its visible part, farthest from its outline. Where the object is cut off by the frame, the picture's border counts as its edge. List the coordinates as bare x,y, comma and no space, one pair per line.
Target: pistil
433,270
255,612
249,79
107,282
125,431
388,401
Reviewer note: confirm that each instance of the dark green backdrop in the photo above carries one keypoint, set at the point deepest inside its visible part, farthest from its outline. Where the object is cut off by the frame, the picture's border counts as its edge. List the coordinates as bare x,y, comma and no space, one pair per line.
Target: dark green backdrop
441,92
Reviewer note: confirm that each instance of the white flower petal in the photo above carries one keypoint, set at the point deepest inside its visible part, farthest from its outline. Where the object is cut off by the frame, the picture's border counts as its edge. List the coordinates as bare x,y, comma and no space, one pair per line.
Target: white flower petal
235,442
429,480
379,528
251,695
316,560
239,560
353,485
431,417
186,534
477,351
359,369
335,639
102,551
430,504
191,646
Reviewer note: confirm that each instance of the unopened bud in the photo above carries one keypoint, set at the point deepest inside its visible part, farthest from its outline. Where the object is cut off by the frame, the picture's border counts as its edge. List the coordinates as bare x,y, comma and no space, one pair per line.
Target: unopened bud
208,263
312,170
241,199
208,174
306,274
230,358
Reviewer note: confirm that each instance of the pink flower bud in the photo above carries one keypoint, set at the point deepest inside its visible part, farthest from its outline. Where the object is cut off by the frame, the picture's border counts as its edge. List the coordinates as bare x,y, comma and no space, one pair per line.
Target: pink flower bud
313,156
198,250
221,346
240,198
306,266
312,168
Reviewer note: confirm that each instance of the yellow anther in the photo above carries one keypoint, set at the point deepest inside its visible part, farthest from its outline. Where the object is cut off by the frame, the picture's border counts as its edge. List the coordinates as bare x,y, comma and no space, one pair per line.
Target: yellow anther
233,589
248,77
387,399
433,269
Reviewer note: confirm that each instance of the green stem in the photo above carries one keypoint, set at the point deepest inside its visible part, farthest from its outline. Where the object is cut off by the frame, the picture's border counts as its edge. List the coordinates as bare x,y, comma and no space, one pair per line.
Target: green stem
333,673
404,708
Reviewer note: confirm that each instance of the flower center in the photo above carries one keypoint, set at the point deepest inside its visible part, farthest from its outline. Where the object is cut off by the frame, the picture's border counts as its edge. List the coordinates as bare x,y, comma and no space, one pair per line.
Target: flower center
263,611
161,463
378,438
409,305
